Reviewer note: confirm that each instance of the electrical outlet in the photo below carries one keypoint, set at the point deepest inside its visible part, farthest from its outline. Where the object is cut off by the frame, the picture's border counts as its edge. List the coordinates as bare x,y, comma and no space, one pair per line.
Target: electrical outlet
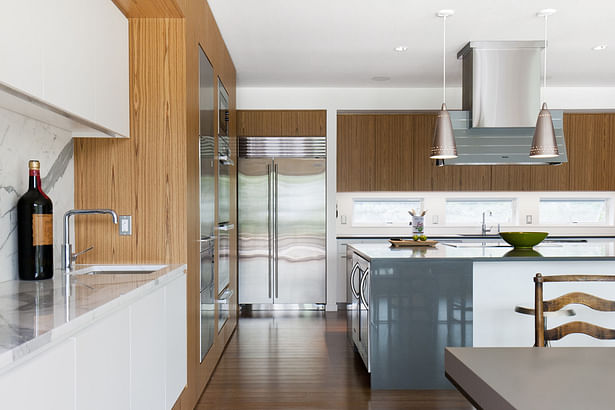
344,219
434,219
125,225
528,219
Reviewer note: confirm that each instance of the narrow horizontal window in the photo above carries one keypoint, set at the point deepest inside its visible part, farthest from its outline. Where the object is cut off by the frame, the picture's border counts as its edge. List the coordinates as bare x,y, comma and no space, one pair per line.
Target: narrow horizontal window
573,211
470,211
383,212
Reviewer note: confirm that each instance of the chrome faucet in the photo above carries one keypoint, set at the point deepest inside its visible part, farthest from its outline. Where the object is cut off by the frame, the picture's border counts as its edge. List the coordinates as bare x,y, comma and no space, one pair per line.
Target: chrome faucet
484,229
68,258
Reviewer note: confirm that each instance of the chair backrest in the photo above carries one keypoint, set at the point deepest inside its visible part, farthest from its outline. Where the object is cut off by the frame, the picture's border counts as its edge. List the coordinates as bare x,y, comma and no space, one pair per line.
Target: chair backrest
541,335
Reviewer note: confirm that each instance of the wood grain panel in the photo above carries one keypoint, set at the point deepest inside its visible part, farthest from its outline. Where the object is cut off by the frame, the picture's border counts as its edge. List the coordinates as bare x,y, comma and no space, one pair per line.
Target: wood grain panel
304,123
511,177
119,174
282,123
149,8
202,32
461,178
591,146
392,170
356,143
422,128
590,140
259,123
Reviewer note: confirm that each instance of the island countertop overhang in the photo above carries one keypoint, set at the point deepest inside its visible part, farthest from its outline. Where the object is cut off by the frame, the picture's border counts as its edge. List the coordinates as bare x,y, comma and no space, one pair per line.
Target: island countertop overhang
596,249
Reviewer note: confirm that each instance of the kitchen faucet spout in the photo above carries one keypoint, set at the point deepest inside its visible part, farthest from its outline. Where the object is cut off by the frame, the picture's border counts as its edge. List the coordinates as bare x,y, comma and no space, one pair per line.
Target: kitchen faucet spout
68,258
484,229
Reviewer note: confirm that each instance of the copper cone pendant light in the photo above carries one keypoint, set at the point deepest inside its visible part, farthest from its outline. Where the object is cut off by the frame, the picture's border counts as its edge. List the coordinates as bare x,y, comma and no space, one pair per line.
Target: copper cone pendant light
543,143
443,145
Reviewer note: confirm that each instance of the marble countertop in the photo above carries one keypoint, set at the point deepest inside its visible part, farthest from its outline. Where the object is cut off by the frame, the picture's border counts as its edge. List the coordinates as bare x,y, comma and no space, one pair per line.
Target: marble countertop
35,315
492,249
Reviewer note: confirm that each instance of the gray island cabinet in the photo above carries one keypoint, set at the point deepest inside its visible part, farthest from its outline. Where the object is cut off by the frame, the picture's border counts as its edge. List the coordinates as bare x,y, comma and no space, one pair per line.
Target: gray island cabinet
411,303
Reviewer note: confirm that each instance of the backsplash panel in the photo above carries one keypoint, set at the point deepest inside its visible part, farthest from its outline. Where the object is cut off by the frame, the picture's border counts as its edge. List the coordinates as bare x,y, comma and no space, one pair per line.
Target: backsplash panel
22,139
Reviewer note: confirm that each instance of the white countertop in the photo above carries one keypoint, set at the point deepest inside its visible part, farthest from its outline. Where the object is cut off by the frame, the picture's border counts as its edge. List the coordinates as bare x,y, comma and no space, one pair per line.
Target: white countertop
35,315
492,249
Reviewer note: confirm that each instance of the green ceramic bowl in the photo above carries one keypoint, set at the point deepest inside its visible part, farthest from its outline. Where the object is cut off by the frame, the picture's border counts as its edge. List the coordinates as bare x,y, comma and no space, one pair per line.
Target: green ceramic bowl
523,240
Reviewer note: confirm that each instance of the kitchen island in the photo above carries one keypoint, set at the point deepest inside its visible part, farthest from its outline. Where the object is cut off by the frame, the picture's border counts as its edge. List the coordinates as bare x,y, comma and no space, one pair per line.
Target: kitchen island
411,303
112,339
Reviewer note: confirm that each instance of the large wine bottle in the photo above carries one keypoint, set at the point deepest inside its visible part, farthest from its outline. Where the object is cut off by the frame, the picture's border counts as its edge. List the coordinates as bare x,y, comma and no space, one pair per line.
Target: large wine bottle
35,230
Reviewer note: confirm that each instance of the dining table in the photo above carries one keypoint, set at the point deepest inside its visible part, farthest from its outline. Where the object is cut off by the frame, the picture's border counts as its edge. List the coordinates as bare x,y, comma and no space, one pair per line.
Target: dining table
533,377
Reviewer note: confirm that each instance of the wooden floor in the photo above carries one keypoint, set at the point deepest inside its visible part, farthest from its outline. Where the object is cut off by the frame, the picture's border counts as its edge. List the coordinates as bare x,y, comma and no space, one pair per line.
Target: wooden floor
303,360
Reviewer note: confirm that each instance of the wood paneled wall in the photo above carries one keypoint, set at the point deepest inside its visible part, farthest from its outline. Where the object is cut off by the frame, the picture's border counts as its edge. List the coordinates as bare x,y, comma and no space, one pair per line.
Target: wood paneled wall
154,175
390,152
144,176
282,123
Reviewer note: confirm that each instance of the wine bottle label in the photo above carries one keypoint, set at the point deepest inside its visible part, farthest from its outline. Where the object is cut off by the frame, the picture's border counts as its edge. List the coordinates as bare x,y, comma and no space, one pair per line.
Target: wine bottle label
42,229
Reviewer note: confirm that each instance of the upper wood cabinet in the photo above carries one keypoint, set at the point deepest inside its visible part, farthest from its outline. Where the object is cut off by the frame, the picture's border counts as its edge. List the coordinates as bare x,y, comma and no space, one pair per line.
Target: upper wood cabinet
281,123
390,152
72,58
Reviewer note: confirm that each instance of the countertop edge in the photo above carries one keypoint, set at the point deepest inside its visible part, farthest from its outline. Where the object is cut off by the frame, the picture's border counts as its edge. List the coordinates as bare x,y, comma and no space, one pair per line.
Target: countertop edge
32,348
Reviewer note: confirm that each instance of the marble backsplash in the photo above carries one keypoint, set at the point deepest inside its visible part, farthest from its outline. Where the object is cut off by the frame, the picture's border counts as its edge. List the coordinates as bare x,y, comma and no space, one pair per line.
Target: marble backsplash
22,139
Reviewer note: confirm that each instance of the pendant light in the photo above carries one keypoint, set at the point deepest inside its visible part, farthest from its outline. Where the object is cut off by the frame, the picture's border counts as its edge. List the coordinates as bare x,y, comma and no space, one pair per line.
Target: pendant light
543,143
443,144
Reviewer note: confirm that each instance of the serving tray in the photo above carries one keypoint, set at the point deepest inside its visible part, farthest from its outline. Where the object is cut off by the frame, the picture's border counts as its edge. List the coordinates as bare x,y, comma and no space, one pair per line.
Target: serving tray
405,242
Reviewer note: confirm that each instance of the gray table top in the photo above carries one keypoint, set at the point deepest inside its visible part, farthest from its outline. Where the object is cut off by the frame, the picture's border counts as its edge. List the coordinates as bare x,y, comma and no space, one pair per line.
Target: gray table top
534,378
490,250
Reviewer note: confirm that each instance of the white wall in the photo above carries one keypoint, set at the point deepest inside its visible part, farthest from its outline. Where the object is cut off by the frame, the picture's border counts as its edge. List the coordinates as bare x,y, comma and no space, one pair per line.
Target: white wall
387,99
23,139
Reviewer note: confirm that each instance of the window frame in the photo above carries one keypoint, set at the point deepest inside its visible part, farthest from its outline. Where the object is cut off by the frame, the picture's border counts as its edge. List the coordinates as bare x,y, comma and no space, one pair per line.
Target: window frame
608,214
421,205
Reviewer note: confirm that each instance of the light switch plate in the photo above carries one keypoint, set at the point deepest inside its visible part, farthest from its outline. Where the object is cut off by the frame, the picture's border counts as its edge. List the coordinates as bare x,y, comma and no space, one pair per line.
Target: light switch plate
344,220
528,219
125,225
434,219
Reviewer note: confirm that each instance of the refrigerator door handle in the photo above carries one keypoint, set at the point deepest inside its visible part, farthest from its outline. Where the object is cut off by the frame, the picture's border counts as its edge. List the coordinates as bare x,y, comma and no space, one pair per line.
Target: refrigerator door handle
269,244
275,227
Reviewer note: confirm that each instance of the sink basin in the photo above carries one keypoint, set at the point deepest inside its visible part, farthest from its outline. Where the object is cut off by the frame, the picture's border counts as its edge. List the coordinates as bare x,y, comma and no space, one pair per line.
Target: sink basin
117,269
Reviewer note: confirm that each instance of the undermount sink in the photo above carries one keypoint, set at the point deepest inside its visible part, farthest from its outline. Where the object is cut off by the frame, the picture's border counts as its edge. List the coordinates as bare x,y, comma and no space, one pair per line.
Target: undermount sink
117,269
479,245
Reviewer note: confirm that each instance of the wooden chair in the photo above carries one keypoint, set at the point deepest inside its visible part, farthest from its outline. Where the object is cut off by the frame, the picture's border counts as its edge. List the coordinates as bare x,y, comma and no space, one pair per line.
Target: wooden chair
541,334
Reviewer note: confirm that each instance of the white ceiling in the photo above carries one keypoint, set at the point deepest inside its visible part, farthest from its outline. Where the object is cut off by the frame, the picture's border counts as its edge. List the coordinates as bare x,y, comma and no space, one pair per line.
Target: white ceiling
345,43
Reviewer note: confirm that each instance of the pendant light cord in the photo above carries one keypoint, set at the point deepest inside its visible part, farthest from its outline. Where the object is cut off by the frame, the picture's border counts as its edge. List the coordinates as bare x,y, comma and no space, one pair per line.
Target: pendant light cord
544,78
444,59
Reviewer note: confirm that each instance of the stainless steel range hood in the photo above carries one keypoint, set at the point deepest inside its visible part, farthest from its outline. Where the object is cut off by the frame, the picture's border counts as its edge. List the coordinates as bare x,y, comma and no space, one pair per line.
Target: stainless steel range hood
501,101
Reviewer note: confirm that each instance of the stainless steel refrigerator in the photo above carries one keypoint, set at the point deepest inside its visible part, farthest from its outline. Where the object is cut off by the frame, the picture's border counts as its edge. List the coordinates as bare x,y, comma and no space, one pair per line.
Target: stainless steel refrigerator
282,220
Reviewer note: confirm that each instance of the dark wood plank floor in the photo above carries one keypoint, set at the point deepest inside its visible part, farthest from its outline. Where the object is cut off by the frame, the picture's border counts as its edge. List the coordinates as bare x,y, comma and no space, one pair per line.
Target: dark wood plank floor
303,360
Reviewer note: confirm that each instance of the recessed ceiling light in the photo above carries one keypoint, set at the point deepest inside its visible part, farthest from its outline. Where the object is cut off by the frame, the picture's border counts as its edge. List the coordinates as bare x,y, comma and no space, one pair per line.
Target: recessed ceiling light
546,12
381,78
600,47
401,49
445,13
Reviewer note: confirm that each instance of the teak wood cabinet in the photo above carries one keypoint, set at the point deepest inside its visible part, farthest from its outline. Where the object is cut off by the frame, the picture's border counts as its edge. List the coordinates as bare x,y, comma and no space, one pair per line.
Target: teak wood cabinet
390,152
281,123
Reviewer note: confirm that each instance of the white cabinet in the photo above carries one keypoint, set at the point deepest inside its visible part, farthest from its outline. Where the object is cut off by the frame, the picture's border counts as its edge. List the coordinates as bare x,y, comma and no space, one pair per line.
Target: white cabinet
21,51
131,358
71,55
176,347
103,364
46,381
147,352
